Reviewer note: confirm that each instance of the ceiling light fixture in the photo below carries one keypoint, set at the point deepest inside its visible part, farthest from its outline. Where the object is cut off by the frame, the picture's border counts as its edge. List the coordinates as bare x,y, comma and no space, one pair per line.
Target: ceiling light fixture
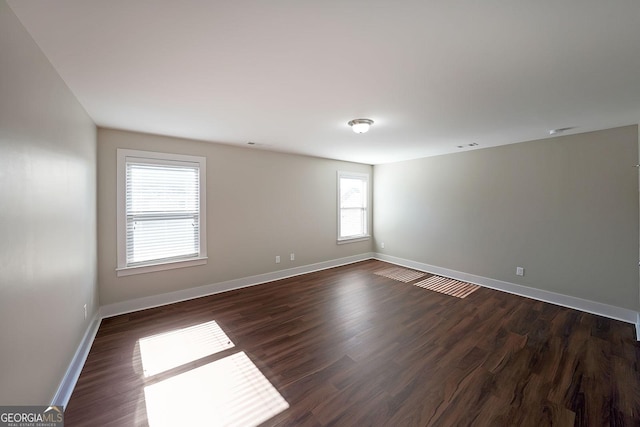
360,125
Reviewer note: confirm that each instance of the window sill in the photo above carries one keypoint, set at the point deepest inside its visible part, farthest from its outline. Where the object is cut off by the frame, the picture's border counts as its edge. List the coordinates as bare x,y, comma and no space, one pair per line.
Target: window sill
148,268
344,240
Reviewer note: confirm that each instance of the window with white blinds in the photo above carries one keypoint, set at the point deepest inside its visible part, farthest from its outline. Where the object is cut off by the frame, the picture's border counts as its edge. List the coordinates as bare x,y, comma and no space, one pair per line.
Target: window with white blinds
352,206
161,220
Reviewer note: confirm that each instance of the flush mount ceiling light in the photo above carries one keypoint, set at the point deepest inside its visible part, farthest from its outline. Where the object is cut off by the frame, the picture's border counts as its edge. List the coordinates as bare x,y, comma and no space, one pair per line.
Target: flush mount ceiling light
360,125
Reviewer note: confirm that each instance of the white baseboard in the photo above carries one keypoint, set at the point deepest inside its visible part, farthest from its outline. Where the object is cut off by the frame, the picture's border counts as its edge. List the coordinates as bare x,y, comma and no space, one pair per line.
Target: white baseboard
601,309
215,288
63,394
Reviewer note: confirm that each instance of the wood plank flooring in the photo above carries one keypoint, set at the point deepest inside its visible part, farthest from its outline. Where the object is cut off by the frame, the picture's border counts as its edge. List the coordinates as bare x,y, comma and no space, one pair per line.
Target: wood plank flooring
347,347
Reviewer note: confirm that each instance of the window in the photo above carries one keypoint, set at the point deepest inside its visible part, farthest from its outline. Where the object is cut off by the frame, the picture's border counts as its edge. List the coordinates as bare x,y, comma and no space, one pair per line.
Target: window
161,211
352,206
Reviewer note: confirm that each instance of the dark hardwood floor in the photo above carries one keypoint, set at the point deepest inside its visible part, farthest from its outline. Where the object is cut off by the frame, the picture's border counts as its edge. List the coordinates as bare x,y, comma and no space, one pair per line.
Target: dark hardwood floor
347,347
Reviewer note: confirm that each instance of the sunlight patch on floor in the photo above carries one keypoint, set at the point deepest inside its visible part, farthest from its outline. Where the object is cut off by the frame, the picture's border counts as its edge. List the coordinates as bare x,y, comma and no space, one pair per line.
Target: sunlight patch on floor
228,392
400,274
168,350
451,287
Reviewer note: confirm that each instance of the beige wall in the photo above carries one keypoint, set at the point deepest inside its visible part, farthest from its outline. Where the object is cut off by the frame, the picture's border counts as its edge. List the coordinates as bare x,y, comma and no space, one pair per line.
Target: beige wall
47,220
564,208
259,204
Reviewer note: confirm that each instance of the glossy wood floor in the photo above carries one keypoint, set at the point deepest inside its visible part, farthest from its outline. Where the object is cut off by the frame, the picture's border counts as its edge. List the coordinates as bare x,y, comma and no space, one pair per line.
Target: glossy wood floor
347,347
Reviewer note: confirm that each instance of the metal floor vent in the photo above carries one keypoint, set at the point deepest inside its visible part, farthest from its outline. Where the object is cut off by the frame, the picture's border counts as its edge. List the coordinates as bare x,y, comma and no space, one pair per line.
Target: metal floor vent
454,288
400,274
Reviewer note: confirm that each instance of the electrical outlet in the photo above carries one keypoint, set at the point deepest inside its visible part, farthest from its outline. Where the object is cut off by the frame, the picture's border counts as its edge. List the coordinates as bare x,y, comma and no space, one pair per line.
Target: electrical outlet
292,256
85,312
382,245
519,271
277,259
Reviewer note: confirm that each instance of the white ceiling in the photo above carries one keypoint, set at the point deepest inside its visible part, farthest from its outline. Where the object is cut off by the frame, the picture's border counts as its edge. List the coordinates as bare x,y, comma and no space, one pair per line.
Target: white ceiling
290,74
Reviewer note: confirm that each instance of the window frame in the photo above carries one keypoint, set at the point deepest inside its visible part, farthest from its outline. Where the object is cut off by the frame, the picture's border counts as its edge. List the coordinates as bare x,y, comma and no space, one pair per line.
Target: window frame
360,237
156,158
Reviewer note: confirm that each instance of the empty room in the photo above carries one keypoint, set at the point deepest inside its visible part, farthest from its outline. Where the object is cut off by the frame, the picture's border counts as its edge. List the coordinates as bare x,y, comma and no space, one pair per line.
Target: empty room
378,213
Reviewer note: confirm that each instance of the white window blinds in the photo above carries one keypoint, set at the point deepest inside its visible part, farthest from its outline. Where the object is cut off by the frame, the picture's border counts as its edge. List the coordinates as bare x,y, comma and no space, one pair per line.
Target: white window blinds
353,205
162,209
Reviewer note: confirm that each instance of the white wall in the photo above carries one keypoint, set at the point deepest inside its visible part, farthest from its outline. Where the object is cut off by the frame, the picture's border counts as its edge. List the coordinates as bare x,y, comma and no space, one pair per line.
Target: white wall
259,204
564,208
47,220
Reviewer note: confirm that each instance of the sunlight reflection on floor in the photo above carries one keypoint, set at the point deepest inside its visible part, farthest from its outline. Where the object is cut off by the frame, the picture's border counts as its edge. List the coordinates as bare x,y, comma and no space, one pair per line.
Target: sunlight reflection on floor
228,392
171,349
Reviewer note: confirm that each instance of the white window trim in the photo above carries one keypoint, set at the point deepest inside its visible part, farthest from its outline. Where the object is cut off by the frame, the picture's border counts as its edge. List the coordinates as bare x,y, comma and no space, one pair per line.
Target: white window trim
358,238
121,219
